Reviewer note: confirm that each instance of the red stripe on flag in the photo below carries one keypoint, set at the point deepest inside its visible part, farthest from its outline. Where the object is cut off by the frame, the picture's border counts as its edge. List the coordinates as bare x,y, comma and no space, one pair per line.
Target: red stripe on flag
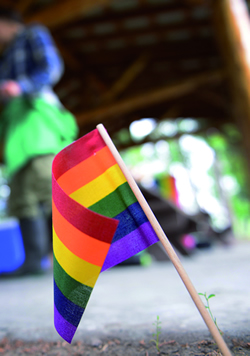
74,153
86,171
85,220
85,247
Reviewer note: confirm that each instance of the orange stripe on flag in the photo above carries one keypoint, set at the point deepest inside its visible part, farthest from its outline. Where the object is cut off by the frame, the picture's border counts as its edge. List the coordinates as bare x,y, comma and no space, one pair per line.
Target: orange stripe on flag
85,247
86,171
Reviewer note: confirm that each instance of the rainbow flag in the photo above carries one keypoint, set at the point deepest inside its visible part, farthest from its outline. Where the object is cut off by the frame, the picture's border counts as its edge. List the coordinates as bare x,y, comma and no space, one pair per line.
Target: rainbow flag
97,224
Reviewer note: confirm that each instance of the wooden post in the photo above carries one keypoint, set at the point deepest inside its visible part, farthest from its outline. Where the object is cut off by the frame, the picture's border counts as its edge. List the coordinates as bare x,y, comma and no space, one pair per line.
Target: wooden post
232,30
166,244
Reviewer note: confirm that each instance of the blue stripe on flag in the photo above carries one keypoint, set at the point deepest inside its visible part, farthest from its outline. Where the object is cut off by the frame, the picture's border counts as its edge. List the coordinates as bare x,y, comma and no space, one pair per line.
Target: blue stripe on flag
129,220
69,310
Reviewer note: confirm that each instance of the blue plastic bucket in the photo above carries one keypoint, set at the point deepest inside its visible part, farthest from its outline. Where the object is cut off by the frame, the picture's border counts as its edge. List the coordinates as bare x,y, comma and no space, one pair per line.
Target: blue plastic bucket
12,253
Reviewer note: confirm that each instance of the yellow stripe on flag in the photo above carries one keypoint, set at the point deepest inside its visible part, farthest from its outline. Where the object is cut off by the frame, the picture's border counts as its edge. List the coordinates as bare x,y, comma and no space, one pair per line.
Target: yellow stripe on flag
82,271
100,187
86,171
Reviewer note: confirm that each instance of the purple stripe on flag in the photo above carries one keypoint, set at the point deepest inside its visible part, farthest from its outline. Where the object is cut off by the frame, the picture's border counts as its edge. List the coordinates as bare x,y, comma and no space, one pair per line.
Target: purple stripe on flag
135,242
63,327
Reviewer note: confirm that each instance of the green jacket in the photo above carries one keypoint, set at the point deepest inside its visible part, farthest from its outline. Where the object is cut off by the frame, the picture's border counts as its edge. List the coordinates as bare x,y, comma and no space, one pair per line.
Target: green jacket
32,127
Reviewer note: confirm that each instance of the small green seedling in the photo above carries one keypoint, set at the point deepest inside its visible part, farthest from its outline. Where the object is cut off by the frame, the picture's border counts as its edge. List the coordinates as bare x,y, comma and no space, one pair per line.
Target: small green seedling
157,333
207,306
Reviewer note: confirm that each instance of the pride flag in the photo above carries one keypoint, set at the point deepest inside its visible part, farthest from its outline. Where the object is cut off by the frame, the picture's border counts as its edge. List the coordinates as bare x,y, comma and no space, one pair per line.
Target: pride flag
97,224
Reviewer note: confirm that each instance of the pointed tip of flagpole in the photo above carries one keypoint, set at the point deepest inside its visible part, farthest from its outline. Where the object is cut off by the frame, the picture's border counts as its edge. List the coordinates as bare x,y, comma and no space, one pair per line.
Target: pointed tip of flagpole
101,126
104,133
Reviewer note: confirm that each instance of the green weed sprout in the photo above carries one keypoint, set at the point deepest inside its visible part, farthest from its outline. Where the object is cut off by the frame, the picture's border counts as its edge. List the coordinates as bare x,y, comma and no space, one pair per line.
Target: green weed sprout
157,333
207,306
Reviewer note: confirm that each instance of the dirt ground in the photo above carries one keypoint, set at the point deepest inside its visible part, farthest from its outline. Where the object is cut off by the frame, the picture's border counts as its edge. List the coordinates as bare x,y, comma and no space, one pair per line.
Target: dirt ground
116,347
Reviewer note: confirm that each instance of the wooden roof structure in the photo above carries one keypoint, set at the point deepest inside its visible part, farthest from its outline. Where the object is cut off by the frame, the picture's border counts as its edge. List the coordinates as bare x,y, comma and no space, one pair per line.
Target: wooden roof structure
132,59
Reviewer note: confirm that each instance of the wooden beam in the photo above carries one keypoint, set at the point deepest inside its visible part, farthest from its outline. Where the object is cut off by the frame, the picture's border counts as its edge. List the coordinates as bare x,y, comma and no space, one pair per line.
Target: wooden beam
232,22
168,51
194,2
76,65
69,58
215,100
152,34
126,78
65,11
118,26
148,9
23,6
150,98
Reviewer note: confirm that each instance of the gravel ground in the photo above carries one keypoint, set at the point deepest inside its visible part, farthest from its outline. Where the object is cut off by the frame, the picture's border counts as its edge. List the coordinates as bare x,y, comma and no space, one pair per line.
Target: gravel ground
116,347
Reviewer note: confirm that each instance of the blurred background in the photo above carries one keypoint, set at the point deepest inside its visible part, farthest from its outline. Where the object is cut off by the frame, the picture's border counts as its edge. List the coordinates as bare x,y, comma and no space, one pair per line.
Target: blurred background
169,79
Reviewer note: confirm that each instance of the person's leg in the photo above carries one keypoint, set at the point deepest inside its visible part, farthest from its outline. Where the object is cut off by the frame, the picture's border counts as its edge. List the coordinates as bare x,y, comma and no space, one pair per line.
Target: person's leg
42,167
24,205
34,233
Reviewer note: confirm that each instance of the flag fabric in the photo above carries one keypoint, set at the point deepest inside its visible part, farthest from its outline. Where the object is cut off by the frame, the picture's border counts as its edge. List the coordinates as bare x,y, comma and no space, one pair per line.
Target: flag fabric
97,224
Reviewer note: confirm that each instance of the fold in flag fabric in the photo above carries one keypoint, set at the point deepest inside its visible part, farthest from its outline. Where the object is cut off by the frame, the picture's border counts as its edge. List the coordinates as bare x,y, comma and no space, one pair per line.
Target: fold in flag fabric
97,224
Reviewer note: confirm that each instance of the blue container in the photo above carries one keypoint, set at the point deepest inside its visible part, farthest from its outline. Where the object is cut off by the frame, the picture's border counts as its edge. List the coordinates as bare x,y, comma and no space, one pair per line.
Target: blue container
12,253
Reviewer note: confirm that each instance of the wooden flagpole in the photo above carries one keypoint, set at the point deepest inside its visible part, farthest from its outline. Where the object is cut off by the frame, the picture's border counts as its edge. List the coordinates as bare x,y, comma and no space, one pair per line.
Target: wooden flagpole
166,244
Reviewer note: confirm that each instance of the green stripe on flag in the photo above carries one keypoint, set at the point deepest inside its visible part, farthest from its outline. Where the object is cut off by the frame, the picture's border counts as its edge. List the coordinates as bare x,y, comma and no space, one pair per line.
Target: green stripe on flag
76,292
116,202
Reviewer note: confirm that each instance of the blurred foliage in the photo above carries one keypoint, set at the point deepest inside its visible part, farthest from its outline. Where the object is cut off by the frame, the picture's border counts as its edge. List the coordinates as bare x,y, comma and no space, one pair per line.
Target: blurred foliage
233,164
228,175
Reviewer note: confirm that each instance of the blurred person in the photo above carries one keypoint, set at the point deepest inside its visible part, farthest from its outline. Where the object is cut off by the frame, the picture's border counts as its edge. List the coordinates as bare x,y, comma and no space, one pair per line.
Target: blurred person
34,126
